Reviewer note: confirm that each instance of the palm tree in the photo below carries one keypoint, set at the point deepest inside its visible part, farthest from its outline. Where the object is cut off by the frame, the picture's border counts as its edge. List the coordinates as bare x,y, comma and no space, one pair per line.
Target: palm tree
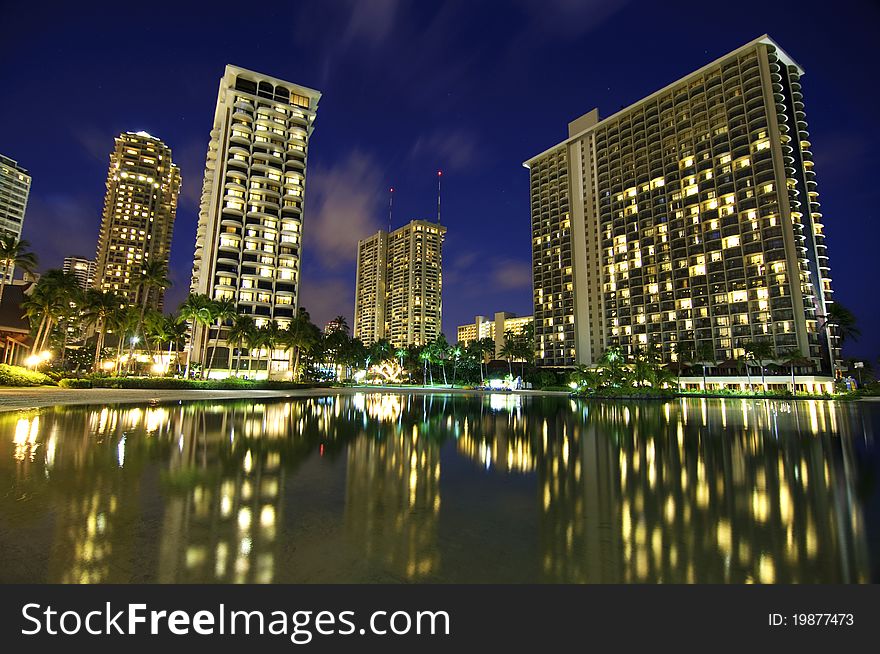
425,355
125,321
684,353
440,352
239,334
455,354
153,274
335,343
381,351
475,351
525,348
610,367
486,346
704,355
196,311
257,339
49,300
303,336
508,351
843,320
14,252
176,328
340,324
221,311
761,352
844,323
99,308
401,354
793,357
166,329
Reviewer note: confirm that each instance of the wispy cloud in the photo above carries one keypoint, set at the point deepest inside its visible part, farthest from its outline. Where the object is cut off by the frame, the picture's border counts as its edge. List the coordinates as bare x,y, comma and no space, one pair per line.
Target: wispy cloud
455,149
97,143
507,274
370,21
342,207
568,18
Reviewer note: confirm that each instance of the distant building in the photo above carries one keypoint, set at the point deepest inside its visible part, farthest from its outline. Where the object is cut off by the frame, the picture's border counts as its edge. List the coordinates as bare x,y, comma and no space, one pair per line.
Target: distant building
249,235
398,292
143,184
370,288
502,324
333,326
83,269
15,185
691,215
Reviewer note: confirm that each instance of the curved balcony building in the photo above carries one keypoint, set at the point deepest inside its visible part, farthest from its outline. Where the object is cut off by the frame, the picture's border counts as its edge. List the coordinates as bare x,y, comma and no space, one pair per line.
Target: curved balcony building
249,237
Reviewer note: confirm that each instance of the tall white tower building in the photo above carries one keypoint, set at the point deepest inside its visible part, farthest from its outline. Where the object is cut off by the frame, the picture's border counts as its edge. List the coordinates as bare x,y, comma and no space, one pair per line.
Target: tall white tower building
249,238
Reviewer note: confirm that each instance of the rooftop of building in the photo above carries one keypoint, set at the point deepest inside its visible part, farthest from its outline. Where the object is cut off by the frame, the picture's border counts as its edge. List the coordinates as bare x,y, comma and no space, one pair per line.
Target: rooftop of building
232,69
12,163
784,56
415,221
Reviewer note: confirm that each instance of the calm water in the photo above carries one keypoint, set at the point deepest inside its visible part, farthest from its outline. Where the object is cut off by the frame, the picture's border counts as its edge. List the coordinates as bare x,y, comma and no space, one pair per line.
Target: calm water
441,488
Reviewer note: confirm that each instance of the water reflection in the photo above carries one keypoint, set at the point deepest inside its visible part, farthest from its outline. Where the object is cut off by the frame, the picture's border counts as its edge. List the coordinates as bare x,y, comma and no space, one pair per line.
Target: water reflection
687,491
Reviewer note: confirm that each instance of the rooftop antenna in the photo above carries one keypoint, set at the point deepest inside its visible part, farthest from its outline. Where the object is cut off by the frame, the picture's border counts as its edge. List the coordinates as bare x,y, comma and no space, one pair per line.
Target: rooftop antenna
390,206
439,177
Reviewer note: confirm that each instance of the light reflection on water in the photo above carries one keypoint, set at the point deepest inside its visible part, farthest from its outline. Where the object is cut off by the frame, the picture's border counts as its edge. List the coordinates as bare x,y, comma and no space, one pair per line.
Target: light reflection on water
389,487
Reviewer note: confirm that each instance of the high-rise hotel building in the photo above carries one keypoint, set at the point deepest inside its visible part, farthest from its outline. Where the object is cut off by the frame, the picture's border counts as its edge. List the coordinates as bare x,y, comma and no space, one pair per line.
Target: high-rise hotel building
691,215
143,184
399,285
15,185
249,238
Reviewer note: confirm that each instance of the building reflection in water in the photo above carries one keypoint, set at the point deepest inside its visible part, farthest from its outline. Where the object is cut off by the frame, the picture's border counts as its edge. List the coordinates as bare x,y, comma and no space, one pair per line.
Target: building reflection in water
685,491
392,496
688,491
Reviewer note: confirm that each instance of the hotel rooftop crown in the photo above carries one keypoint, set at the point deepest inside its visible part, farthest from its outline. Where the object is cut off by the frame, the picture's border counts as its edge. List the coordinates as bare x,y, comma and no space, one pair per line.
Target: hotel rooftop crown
691,215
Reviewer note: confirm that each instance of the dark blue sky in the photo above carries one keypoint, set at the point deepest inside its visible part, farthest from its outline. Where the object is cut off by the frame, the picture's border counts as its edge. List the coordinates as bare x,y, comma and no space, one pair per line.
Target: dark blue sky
474,88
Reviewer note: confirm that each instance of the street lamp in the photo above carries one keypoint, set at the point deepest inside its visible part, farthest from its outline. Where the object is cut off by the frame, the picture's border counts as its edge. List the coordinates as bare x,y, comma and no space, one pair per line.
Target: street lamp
34,360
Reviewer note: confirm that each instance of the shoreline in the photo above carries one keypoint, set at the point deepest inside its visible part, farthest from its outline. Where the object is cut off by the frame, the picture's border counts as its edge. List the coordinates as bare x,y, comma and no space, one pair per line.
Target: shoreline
40,397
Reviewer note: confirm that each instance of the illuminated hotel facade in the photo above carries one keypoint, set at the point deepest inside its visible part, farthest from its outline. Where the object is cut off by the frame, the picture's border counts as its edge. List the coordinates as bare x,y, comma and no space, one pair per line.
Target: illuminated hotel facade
249,236
398,291
502,324
140,206
15,186
691,215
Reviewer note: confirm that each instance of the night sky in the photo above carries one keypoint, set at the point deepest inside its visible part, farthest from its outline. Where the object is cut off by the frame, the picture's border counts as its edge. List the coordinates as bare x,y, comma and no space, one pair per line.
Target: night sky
472,88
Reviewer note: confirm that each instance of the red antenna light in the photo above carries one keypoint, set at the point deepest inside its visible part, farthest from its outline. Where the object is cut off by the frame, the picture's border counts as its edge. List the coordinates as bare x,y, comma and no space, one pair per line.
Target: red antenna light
439,173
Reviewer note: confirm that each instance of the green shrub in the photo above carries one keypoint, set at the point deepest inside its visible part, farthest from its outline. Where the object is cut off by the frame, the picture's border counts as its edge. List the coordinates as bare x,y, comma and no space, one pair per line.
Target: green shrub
75,383
627,392
18,376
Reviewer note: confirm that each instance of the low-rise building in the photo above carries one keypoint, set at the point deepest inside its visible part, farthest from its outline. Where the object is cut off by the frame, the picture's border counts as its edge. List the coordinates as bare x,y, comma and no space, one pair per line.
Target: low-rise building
503,323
